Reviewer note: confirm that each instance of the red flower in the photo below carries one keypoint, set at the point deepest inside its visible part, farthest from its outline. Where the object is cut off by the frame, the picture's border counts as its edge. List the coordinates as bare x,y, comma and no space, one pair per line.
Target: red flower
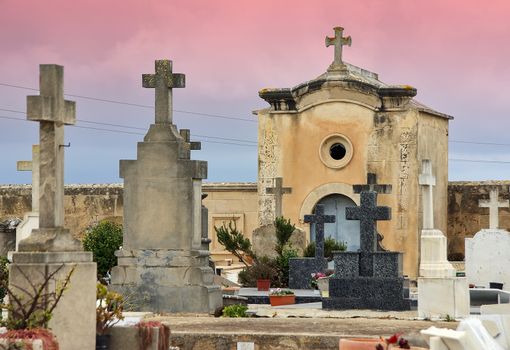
393,339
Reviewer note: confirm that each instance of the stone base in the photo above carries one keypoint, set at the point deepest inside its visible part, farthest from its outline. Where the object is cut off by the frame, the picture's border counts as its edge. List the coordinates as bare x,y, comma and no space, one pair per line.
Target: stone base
56,239
301,269
439,297
380,293
167,281
24,229
74,319
433,260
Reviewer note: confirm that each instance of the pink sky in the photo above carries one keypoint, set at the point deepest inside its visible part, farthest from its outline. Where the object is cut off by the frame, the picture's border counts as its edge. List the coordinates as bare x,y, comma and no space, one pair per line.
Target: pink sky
453,52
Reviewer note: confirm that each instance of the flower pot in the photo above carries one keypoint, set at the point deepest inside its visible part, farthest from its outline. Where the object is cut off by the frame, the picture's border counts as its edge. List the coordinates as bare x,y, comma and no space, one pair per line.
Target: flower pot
323,284
263,284
360,344
102,341
277,300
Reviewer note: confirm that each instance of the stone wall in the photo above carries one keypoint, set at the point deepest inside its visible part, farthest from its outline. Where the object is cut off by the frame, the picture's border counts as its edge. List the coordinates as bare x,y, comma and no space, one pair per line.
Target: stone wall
465,217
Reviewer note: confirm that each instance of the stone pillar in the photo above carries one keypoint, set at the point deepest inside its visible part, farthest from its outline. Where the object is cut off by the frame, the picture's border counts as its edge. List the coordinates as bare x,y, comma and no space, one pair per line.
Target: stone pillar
51,246
437,275
162,263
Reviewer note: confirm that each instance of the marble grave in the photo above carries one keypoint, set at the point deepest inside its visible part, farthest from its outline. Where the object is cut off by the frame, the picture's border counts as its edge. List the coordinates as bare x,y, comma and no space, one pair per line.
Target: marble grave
301,269
367,279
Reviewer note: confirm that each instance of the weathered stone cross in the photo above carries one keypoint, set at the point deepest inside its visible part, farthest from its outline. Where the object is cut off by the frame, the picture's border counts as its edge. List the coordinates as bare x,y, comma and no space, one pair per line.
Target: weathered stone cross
368,213
427,181
33,166
186,135
319,219
339,41
52,112
372,185
163,81
278,190
493,204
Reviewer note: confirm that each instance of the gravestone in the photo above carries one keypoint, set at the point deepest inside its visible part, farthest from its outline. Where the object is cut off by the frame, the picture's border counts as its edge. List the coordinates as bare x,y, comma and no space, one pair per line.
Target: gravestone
162,262
367,279
263,240
488,252
437,275
301,269
30,219
51,246
278,190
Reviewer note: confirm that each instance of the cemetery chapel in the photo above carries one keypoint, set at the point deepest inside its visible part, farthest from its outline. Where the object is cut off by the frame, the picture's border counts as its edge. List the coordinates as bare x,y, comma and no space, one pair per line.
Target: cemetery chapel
327,139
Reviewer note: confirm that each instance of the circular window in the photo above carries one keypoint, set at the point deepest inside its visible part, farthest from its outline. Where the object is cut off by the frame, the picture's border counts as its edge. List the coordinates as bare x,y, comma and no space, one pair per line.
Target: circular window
336,151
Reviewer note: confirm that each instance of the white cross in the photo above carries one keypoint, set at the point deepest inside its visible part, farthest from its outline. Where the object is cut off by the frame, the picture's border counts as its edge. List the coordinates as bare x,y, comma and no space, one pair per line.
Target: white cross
427,180
493,204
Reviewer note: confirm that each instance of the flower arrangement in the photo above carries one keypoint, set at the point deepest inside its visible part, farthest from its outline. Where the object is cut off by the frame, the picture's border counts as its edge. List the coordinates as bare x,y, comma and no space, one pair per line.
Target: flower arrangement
109,308
280,292
394,341
318,275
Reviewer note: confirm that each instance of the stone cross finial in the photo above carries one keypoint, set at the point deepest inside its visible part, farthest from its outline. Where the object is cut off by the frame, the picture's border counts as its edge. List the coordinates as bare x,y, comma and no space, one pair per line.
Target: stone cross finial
52,112
186,135
278,190
319,219
163,81
372,185
493,204
339,41
427,181
33,166
368,213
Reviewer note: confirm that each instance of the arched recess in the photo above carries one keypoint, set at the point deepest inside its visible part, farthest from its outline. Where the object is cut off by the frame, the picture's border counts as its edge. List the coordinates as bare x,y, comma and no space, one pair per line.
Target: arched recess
322,191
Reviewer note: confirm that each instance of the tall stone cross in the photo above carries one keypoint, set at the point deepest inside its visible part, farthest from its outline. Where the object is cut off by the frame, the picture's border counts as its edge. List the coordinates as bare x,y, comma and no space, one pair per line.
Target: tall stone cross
372,185
33,166
319,219
368,213
339,41
163,81
427,181
52,112
278,190
493,204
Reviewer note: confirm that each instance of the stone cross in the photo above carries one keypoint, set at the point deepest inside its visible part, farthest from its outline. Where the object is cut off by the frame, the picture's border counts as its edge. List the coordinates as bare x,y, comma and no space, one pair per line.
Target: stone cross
493,204
368,213
186,135
427,181
319,219
339,41
163,81
33,166
372,185
278,190
52,112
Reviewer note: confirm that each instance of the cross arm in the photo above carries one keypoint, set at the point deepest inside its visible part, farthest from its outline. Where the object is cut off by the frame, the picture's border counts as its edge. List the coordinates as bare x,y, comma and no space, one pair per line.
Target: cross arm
44,108
24,165
383,213
175,80
352,213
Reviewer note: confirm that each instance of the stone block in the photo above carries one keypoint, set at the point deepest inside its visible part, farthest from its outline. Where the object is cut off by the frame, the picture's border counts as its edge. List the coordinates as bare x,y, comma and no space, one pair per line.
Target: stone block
79,299
301,269
433,260
264,240
387,264
366,293
128,338
488,258
346,264
439,297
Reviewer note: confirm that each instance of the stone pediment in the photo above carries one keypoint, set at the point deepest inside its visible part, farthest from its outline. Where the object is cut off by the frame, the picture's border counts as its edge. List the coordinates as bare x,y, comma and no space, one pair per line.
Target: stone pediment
362,86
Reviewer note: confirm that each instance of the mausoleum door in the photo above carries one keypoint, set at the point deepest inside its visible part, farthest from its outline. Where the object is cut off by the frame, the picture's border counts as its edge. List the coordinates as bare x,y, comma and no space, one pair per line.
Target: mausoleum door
342,230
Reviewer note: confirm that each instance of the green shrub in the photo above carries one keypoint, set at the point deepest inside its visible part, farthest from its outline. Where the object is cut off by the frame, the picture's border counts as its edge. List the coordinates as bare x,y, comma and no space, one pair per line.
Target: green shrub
264,268
103,240
284,231
234,242
282,263
330,245
236,310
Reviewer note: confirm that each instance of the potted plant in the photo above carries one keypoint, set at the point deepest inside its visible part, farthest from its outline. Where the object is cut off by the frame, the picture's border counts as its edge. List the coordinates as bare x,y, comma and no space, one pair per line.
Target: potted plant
109,307
30,309
281,297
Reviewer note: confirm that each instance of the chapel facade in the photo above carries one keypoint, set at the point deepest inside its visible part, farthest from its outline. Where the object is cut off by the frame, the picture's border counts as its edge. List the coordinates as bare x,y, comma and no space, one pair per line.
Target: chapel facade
325,135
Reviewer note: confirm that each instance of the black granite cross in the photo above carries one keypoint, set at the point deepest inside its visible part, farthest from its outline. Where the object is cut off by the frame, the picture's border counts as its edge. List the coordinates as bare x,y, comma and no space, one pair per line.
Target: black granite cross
368,213
319,219
372,185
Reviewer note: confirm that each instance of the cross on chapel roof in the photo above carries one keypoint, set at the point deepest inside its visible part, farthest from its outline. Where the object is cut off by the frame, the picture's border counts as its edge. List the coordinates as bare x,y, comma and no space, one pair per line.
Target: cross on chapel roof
339,41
